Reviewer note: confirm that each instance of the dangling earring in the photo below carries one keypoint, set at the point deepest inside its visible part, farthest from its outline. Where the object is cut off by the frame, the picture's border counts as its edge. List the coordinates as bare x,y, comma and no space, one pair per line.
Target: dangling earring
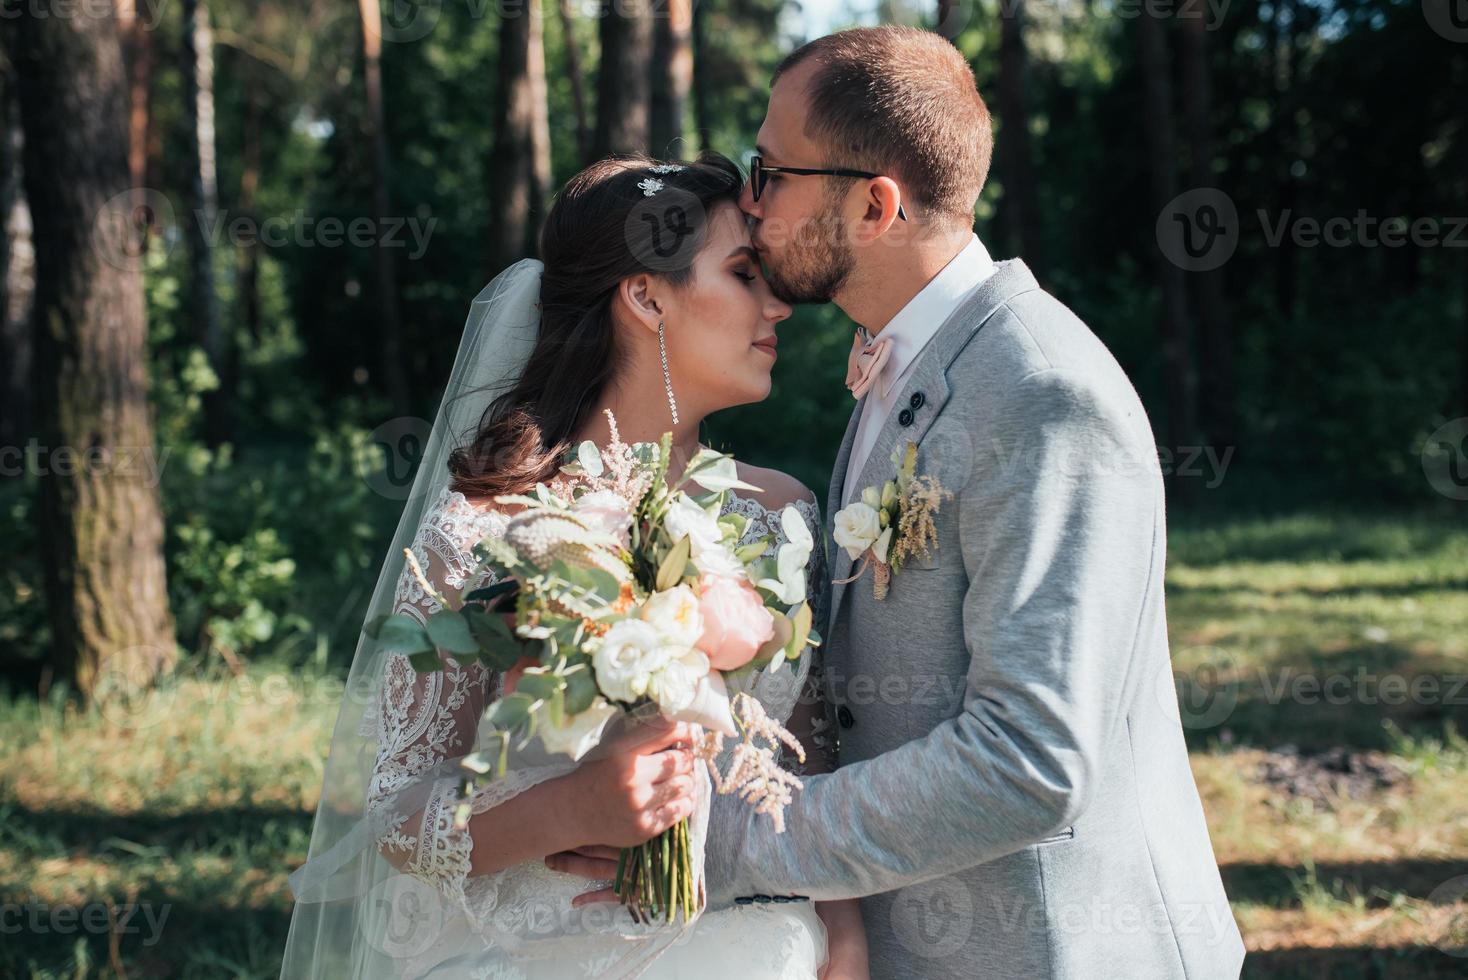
667,377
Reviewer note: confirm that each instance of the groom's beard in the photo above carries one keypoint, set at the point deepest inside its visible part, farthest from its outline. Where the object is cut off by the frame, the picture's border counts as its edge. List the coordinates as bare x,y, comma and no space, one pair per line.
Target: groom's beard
816,263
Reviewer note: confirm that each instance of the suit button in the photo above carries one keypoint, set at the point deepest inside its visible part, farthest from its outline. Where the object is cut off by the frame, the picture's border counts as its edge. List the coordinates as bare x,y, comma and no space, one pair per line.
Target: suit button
762,899
843,715
744,900
917,400
904,417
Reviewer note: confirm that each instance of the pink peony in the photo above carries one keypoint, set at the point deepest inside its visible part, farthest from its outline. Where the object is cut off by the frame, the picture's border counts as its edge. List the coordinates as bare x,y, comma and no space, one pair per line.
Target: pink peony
735,621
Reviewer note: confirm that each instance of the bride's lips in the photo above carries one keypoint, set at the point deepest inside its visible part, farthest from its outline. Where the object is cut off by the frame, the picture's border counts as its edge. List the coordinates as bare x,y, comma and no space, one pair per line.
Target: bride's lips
767,344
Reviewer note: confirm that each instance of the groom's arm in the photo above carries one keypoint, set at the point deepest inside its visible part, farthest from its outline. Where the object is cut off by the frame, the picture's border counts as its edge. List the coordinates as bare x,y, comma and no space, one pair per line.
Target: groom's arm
1058,519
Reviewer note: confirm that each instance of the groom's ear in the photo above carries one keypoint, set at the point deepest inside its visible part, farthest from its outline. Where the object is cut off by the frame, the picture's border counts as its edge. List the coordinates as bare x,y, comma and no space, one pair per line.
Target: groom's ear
638,294
883,198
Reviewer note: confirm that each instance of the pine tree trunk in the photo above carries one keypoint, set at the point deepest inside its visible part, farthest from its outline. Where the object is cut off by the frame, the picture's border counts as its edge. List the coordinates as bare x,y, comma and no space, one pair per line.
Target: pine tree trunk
390,328
672,77
1177,359
102,551
1019,207
520,170
578,82
247,254
1218,395
17,277
198,75
622,79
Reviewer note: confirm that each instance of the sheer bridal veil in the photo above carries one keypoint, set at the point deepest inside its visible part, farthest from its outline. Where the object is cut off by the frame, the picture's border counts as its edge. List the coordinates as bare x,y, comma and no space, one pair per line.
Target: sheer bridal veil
337,927
357,915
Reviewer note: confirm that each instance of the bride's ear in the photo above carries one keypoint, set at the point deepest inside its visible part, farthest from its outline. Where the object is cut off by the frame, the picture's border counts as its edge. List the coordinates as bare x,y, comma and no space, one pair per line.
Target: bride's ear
637,293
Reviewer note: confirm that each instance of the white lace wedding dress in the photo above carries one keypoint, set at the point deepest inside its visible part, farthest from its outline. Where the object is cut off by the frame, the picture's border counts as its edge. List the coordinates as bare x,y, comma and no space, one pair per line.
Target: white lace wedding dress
423,720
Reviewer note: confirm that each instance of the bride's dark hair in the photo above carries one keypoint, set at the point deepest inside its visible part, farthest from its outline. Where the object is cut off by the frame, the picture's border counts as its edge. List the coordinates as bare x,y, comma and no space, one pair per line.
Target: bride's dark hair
602,228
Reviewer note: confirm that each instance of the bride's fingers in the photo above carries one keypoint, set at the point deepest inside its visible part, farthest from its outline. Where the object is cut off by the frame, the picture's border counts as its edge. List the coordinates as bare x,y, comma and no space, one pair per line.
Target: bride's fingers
671,764
571,863
603,851
591,898
679,809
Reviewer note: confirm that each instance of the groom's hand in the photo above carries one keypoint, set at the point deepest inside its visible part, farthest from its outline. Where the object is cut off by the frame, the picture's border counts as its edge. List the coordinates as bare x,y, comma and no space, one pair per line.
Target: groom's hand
597,862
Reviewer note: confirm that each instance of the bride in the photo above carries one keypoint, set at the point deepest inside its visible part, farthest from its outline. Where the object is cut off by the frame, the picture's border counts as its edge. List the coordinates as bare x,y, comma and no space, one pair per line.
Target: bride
648,302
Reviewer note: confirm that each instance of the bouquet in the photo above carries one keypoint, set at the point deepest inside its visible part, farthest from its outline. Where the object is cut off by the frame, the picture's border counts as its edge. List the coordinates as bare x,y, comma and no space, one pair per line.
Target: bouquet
617,592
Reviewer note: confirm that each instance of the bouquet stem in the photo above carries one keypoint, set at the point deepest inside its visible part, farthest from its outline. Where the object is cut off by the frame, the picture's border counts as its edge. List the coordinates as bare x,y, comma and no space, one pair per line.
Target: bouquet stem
655,879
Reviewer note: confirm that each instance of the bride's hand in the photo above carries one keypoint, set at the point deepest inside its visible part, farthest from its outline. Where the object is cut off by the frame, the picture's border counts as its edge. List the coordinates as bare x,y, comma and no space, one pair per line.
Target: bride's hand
637,792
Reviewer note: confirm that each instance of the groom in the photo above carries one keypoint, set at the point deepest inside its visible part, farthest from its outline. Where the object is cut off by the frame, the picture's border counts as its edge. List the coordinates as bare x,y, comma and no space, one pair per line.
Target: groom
1014,798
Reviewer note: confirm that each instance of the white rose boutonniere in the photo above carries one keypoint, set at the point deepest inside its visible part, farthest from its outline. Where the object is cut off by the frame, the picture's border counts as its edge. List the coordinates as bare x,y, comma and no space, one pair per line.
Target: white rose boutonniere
891,524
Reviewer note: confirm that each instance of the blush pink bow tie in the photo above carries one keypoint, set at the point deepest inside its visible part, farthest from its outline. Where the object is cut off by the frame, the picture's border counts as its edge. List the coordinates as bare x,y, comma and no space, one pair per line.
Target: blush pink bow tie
865,363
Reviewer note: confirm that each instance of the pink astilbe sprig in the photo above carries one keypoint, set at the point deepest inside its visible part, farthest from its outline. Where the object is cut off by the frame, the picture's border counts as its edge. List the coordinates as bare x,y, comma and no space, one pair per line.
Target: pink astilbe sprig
754,772
624,474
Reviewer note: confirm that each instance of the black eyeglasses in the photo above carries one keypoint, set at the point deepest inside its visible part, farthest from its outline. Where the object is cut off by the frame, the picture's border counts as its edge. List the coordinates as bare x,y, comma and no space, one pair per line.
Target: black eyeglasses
758,175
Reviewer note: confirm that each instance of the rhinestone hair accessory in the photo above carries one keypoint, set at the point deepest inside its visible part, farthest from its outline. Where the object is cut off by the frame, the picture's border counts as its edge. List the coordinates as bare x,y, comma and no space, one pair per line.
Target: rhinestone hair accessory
650,186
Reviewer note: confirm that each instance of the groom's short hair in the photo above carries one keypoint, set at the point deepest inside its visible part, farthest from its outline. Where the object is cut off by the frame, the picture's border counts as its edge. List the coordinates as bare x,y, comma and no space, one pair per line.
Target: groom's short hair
903,102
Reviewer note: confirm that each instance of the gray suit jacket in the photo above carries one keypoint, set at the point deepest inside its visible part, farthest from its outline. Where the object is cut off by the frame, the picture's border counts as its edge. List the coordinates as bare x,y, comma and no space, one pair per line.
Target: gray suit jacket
1014,796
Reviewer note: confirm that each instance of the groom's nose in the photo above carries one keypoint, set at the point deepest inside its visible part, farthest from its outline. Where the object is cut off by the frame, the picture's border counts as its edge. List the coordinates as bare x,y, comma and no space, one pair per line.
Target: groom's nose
747,203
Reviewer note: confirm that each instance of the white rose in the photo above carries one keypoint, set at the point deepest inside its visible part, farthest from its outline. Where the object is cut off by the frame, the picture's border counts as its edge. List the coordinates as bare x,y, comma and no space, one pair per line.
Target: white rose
606,512
674,687
581,732
674,614
688,520
857,528
630,653
719,561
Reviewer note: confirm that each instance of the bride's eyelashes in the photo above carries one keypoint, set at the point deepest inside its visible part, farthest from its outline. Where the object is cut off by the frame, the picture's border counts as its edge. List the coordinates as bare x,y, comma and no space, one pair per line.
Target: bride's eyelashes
747,277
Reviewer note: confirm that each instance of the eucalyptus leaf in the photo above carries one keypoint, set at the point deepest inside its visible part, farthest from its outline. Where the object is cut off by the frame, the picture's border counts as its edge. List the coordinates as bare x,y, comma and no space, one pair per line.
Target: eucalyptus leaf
426,662
400,633
449,630
510,712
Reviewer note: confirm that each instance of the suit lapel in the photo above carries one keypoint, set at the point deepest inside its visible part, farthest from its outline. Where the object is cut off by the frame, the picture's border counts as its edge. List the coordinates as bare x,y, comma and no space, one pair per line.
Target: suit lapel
930,377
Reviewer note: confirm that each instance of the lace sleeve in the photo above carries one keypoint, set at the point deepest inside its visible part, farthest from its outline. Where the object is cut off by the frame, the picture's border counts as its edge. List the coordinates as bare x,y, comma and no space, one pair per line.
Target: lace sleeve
812,721
426,722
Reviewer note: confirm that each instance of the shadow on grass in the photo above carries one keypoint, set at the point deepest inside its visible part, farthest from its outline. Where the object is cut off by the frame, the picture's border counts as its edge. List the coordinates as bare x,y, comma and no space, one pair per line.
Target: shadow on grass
1365,963
1320,700
158,935
1279,886
98,831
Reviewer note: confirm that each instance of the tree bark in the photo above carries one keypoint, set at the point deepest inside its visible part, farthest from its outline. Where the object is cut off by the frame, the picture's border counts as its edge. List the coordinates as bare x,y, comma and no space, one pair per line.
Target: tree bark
102,552
389,322
247,254
198,76
672,76
1177,359
622,79
1019,207
138,60
1218,395
520,170
17,276
578,82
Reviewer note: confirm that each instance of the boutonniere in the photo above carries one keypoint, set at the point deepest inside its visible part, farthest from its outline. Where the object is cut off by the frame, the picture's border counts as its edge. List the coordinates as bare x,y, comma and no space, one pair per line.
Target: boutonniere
888,526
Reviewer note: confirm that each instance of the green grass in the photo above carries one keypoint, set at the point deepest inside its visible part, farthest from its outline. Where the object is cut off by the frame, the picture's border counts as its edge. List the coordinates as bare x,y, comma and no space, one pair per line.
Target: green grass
197,802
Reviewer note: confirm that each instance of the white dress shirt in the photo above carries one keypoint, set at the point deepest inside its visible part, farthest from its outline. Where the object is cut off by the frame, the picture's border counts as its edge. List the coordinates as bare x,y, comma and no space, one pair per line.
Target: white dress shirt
910,331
